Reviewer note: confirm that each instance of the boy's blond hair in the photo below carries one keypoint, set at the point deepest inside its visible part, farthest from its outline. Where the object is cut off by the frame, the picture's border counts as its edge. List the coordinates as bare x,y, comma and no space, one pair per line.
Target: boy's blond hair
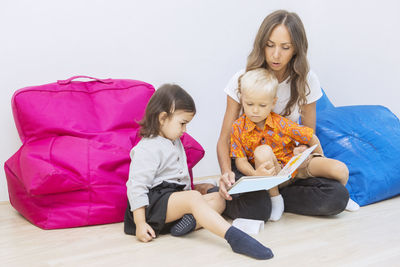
258,80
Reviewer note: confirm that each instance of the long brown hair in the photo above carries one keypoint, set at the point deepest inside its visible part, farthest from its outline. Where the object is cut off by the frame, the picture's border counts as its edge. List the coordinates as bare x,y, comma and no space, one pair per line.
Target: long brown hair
168,98
297,67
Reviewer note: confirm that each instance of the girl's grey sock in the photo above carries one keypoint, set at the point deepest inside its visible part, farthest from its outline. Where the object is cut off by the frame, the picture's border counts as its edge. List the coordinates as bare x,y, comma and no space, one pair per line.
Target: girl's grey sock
184,226
244,244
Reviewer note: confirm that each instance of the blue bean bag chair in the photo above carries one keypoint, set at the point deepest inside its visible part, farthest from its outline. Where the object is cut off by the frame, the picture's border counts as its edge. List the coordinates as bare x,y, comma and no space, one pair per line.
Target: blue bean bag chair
367,139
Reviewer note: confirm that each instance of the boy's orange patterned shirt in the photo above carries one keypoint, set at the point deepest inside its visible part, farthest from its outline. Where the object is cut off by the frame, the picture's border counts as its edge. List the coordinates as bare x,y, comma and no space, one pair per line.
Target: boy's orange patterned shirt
279,133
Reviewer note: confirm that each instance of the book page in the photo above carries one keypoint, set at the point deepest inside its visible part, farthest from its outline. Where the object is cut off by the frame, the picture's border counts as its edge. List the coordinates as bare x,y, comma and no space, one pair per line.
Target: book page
296,161
256,183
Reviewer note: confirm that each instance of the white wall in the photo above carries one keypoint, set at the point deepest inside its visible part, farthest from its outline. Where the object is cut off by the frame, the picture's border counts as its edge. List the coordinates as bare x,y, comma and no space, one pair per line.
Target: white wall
197,44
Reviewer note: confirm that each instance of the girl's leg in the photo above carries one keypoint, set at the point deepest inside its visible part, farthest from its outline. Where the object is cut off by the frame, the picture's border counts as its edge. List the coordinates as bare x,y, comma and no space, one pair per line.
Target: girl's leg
215,201
192,202
329,168
264,154
188,223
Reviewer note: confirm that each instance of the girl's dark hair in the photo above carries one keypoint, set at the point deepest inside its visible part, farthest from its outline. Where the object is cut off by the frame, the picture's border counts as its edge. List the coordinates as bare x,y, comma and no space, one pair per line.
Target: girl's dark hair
167,98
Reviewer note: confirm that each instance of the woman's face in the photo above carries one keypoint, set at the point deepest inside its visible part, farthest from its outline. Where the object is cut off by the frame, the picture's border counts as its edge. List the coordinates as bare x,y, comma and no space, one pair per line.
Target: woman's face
279,50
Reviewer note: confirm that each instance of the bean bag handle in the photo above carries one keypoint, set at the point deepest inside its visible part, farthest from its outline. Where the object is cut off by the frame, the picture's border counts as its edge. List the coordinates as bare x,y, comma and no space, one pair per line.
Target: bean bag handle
63,82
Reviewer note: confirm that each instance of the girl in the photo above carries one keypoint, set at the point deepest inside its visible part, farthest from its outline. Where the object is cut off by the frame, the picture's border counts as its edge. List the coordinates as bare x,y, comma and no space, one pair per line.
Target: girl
280,46
159,195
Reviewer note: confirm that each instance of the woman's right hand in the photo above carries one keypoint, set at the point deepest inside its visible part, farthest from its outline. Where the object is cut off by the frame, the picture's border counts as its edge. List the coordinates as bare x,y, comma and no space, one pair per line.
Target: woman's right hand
225,182
144,232
227,179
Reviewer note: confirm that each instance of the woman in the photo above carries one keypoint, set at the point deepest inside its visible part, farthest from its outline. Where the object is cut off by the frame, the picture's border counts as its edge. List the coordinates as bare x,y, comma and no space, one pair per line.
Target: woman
281,46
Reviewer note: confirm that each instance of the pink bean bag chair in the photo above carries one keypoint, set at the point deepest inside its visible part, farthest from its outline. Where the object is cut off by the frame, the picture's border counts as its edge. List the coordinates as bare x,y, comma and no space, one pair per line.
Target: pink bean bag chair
73,164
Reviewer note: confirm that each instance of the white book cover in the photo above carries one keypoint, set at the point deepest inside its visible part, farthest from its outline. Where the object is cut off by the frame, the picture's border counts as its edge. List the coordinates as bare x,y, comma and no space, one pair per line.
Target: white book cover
256,183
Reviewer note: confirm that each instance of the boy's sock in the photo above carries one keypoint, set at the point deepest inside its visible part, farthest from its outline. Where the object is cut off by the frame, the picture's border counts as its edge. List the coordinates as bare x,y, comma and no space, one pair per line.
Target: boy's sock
184,226
244,244
277,208
352,205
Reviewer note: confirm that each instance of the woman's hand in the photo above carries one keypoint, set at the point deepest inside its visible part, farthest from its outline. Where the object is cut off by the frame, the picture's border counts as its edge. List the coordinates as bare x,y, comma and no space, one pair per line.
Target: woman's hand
144,232
225,182
223,146
299,149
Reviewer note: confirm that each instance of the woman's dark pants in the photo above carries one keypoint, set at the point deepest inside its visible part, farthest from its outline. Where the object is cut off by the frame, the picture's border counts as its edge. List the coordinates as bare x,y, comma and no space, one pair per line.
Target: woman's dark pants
311,196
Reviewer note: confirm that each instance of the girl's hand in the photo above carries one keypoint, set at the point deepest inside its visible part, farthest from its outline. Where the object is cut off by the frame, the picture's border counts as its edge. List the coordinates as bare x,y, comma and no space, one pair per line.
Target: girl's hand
225,182
144,232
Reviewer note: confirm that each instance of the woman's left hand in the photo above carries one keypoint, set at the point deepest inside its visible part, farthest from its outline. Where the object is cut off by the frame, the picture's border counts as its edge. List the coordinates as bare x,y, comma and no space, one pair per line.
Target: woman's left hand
299,149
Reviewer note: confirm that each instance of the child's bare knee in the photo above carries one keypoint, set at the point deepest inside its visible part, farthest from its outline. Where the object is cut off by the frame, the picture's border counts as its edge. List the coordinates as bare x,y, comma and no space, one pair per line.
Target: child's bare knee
217,201
215,196
263,153
194,194
194,197
344,171
341,171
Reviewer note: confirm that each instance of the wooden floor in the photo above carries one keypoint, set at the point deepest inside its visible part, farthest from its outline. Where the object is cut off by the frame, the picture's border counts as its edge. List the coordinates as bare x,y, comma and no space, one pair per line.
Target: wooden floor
369,237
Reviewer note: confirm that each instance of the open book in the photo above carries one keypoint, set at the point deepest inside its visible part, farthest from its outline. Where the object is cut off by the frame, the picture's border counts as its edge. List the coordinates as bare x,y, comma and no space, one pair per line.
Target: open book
255,183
